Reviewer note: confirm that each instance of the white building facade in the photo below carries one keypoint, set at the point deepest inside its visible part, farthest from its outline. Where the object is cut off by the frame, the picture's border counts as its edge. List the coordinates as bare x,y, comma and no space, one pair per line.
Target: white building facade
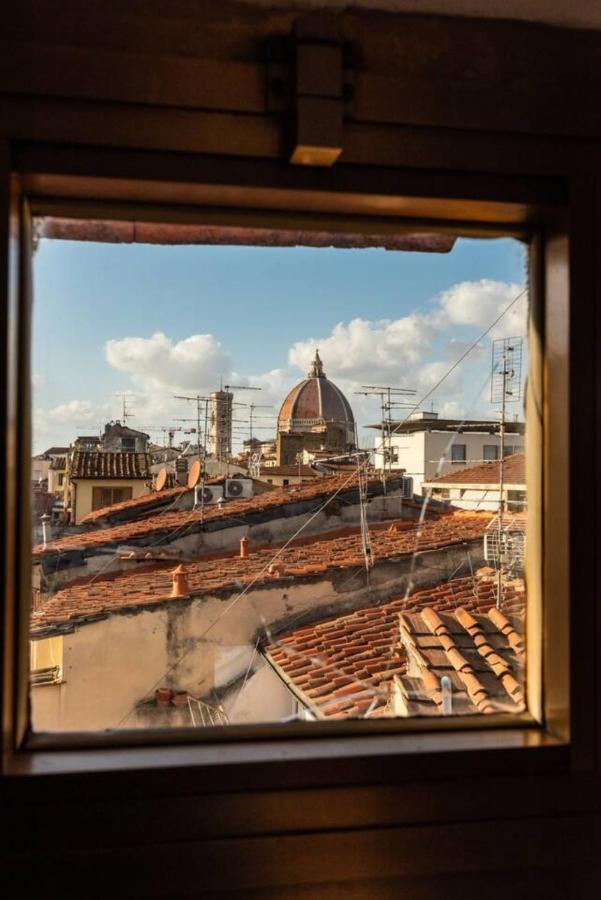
426,446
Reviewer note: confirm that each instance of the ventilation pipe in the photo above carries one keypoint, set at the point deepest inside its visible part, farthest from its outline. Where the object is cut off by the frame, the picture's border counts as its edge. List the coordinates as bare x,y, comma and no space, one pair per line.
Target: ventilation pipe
446,689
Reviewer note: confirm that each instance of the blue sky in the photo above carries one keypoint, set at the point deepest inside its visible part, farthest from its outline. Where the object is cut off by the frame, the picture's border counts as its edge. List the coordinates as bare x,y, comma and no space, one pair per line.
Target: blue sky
261,311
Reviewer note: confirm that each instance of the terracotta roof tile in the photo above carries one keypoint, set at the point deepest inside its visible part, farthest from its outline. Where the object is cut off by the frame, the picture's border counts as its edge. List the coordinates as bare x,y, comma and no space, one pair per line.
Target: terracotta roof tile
99,465
227,571
372,655
514,472
173,520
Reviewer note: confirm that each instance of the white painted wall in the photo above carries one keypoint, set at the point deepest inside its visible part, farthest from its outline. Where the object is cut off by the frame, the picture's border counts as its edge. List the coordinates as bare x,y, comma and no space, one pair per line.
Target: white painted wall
478,498
109,666
420,453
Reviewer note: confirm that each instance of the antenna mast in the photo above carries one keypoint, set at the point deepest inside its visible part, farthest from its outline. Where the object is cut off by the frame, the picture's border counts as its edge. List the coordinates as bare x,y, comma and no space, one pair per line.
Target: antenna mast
125,412
505,387
387,395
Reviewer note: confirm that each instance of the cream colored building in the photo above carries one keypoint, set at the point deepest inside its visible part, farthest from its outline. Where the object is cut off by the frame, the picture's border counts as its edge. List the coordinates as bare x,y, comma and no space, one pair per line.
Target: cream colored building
97,479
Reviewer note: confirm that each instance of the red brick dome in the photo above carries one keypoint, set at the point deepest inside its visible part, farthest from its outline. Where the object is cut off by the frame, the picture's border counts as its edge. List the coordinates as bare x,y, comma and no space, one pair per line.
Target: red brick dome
314,402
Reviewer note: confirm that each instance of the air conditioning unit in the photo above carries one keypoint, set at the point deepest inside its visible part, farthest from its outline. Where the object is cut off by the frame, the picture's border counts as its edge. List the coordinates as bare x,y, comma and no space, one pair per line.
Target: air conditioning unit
209,494
235,488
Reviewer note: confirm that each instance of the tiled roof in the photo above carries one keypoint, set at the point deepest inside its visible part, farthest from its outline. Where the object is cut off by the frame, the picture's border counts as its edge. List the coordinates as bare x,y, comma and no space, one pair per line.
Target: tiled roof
304,557
171,520
154,498
140,505
305,471
488,473
99,465
54,451
59,463
482,655
345,666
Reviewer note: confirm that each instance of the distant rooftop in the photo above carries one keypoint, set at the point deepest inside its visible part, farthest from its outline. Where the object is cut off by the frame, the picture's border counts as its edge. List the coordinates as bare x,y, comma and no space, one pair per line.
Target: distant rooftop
172,521
97,465
514,472
88,599
429,421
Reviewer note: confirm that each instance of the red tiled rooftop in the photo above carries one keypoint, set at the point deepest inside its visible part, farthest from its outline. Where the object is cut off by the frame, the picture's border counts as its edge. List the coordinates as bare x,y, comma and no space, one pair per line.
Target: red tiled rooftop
344,667
171,520
302,558
487,473
138,505
482,655
97,465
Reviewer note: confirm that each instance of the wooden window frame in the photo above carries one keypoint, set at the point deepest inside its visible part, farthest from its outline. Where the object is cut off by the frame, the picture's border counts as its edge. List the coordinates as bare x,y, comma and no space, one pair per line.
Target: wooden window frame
111,489
556,736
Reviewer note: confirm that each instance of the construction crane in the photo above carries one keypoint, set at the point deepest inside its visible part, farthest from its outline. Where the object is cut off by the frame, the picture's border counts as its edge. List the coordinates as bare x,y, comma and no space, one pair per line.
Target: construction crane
240,387
168,430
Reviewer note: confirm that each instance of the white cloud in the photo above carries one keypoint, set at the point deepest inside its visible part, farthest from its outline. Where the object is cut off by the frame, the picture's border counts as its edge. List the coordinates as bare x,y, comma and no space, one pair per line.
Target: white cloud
61,424
194,363
479,303
365,350
414,351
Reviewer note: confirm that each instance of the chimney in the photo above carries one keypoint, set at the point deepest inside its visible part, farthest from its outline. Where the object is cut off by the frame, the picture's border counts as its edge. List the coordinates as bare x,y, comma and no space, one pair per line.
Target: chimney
244,547
162,696
180,582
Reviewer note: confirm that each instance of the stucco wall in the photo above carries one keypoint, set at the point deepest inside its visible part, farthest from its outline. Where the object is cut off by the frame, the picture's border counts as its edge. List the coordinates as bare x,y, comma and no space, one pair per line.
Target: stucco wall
83,492
198,645
419,453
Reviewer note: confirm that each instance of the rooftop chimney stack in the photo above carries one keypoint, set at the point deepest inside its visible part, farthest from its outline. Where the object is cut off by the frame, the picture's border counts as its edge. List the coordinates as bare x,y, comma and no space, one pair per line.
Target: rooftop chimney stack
244,547
180,582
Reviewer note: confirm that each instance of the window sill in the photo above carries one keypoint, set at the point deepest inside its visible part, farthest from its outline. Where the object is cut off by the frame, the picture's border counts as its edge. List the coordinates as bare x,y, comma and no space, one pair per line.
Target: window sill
290,762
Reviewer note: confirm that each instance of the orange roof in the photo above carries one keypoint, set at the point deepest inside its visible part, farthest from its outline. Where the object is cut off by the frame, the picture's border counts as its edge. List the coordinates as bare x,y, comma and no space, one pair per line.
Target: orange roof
154,498
179,520
514,472
304,557
99,465
482,655
344,667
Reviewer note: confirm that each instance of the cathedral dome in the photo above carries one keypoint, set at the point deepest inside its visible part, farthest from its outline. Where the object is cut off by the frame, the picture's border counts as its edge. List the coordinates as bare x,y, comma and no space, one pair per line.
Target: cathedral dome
316,403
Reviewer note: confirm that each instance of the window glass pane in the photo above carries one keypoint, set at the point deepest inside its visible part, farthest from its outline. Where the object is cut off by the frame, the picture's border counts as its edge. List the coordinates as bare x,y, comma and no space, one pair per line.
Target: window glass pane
293,489
458,453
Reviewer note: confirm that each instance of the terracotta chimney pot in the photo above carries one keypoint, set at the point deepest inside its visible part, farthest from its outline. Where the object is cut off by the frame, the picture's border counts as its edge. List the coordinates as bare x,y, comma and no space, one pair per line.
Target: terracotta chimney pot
180,582
244,547
180,698
162,696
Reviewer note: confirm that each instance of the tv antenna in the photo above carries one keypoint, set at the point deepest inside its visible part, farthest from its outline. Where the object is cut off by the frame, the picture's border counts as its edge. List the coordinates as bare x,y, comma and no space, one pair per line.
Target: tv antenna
505,387
389,400
199,400
125,411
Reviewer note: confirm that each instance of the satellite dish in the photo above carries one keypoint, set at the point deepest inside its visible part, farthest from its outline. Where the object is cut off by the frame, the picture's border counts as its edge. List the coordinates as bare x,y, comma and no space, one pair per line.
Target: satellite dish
194,473
161,480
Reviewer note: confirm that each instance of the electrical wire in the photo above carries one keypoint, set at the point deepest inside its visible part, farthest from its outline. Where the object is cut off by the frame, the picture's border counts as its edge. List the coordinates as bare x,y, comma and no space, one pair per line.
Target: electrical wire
353,475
